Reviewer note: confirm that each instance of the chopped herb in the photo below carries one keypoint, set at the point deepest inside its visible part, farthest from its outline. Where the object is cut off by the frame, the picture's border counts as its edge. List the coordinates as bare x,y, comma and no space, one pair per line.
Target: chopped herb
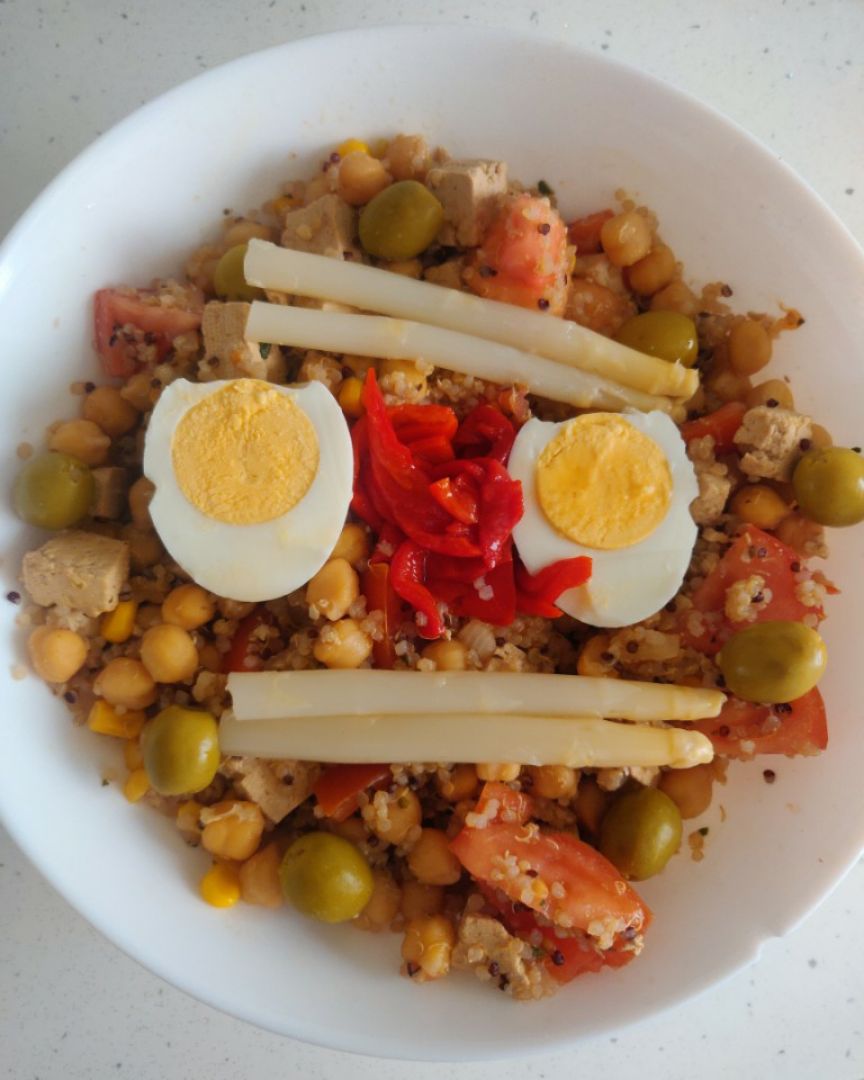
703,831
264,348
104,782
544,188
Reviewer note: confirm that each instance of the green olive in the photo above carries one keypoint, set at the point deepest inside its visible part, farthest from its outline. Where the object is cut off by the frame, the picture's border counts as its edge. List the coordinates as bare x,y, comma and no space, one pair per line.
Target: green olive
326,877
229,280
662,333
53,491
640,833
181,750
772,662
401,221
829,486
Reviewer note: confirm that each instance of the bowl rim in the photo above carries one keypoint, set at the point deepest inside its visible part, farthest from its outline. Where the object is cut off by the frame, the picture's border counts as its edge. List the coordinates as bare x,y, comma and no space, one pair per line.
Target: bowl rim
125,128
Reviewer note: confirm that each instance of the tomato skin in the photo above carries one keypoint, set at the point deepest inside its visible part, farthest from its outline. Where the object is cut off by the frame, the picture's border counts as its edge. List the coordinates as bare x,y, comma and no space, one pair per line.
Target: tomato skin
743,729
753,552
584,232
241,656
156,325
523,257
377,587
593,889
338,788
720,425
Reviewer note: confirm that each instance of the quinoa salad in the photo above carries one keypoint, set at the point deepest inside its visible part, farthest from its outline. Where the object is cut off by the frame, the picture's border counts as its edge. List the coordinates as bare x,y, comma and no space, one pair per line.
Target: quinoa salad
430,551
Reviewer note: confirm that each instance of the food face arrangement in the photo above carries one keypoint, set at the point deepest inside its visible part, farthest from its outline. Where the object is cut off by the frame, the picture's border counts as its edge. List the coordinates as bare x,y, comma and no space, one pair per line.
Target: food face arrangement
430,553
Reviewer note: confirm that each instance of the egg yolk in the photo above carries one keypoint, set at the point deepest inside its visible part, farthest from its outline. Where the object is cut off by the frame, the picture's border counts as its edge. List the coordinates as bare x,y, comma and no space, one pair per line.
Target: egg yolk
602,483
245,454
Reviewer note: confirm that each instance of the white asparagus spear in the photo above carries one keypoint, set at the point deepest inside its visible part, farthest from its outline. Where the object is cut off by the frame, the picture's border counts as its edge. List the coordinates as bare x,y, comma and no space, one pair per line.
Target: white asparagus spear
269,695
303,274
528,740
400,339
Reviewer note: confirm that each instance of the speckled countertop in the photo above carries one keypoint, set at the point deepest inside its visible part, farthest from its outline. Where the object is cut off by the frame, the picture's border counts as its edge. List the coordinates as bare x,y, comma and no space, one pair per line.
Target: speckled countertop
791,71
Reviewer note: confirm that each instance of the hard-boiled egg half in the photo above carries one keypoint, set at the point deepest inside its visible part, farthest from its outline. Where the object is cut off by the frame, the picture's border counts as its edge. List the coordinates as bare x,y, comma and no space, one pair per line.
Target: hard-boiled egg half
253,482
617,487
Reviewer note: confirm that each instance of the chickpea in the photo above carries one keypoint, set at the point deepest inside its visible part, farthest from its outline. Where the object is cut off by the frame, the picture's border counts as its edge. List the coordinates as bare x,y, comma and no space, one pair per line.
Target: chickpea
108,409
461,784
145,547
391,816
407,157
56,654
140,494
342,645
653,273
626,238
771,390
591,803
428,945
169,653
259,878
418,899
361,177
595,659
447,655
749,347
383,905
334,589
81,439
232,829
188,606
352,545
503,771
124,681
758,504
432,862
676,296
805,536
554,781
820,437
241,232
729,385
412,268
689,789
140,392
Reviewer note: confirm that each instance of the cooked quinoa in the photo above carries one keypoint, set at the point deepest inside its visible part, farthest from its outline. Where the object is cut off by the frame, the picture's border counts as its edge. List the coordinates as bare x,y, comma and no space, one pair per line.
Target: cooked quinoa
128,650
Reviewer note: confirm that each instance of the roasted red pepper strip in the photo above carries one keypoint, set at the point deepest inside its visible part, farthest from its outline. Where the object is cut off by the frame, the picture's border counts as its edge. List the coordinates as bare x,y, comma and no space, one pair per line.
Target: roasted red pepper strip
433,449
337,790
485,432
408,575
537,593
413,422
240,655
380,596
456,497
721,425
493,599
501,507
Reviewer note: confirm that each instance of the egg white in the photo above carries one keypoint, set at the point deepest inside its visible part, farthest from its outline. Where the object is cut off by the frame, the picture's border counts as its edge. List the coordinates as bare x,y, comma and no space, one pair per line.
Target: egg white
631,583
261,561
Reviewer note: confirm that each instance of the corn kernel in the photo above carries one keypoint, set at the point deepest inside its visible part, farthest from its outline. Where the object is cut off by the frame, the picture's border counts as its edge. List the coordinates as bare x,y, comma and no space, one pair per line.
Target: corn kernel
133,756
352,146
104,719
220,886
116,626
350,397
137,785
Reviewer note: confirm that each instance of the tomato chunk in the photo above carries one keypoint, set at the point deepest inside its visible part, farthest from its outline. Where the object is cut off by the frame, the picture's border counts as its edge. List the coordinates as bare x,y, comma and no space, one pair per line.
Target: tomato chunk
560,877
523,257
337,790
721,425
133,324
584,232
744,729
754,553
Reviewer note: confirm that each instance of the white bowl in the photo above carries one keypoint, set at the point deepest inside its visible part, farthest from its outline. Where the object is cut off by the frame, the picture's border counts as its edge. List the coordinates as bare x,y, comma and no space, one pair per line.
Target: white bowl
149,191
